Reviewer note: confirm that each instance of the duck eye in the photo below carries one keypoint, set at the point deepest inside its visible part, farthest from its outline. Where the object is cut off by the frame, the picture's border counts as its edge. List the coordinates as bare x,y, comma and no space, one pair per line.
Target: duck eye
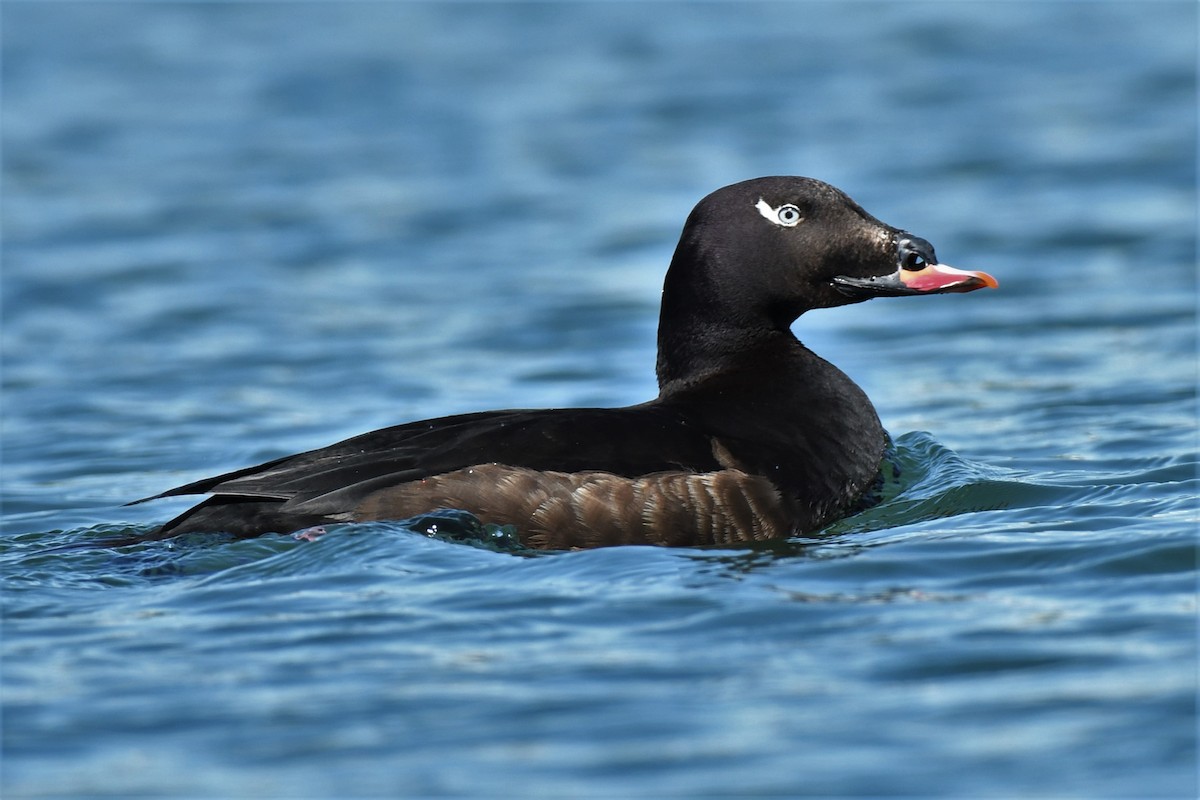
914,261
788,215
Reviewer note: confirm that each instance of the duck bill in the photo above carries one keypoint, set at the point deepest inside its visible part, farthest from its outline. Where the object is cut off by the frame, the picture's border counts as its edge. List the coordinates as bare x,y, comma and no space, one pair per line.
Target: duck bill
931,279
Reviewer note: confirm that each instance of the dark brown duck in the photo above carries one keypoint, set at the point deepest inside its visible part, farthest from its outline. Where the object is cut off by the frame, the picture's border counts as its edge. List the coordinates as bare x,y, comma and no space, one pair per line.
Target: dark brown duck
752,435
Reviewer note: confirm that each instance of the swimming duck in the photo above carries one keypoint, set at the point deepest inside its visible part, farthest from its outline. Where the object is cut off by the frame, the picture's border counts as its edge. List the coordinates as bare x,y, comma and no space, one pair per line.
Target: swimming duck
752,435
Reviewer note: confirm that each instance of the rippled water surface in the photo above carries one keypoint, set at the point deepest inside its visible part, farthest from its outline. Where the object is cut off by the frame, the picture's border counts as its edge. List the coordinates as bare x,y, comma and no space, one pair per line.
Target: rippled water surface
235,231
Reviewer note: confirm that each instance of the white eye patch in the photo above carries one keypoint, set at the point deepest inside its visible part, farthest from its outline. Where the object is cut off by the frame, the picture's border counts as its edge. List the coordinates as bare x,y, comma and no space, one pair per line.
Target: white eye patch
786,216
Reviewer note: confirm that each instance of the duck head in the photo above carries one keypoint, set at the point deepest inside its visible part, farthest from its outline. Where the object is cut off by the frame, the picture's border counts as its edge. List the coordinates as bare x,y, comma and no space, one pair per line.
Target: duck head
766,250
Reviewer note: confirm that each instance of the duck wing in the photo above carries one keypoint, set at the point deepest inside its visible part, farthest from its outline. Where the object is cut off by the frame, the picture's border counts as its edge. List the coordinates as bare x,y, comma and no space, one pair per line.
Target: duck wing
331,481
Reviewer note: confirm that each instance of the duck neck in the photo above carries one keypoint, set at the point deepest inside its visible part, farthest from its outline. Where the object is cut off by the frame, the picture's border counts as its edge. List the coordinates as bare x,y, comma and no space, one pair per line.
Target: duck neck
691,355
777,409
705,329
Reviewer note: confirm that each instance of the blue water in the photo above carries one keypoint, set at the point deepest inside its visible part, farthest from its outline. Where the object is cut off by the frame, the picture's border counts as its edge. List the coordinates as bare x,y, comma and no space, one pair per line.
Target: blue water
232,231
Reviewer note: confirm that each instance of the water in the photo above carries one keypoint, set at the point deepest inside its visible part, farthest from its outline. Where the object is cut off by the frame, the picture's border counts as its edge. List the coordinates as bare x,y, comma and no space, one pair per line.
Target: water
235,231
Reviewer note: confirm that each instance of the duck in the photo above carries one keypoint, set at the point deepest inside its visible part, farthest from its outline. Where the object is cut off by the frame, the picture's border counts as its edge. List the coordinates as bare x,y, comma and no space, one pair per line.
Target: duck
752,437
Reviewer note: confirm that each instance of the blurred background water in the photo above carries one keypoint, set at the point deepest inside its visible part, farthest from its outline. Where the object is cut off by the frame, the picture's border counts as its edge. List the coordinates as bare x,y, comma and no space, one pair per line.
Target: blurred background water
232,231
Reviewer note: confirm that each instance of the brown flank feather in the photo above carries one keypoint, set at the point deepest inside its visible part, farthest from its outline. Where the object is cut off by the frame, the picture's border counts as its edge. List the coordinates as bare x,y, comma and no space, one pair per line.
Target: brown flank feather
563,510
